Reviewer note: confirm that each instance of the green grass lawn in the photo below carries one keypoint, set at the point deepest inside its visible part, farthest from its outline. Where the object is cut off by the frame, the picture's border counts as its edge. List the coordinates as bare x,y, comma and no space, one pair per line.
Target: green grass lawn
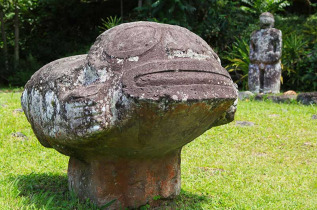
271,165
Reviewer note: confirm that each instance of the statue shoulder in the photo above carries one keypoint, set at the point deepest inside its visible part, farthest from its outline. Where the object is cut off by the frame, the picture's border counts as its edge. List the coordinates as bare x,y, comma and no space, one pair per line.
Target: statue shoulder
275,30
255,33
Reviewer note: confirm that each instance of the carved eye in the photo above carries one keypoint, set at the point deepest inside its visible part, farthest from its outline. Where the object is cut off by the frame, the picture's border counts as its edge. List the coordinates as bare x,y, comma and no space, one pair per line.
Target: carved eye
132,41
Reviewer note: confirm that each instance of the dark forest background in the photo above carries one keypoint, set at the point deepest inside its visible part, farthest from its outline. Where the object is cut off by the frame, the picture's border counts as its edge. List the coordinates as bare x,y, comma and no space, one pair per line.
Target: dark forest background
35,32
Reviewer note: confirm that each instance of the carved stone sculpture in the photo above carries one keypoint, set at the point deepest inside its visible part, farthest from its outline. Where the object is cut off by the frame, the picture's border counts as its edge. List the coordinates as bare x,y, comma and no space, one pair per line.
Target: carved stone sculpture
265,57
124,111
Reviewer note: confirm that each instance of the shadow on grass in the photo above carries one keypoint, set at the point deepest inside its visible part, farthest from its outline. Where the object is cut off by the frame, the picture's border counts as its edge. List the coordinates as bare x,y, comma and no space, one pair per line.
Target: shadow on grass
188,200
50,191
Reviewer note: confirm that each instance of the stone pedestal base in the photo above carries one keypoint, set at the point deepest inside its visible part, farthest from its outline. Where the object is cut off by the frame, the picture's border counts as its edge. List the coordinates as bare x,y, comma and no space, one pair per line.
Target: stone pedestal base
131,182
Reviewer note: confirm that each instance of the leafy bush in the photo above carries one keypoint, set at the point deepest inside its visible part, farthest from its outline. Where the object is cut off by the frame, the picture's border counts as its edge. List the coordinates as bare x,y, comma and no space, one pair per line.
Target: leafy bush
177,12
217,22
56,28
238,58
294,49
304,74
309,79
110,22
24,71
299,52
310,29
257,7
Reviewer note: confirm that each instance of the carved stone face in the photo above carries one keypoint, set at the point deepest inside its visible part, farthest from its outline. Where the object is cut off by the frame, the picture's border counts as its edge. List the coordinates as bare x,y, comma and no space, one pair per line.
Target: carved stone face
140,83
161,61
266,20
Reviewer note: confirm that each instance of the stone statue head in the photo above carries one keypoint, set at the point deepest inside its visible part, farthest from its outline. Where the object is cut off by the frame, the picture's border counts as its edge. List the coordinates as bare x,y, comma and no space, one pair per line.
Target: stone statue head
134,75
266,20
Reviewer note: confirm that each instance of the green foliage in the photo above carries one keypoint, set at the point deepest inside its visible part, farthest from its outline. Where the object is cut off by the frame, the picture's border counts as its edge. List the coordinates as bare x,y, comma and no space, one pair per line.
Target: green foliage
110,22
257,7
238,58
49,30
218,22
307,72
177,12
294,49
24,72
299,52
156,197
310,29
108,204
57,28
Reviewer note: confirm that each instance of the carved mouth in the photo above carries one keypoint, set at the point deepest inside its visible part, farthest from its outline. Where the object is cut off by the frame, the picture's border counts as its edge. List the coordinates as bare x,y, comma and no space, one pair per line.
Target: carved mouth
181,77
179,80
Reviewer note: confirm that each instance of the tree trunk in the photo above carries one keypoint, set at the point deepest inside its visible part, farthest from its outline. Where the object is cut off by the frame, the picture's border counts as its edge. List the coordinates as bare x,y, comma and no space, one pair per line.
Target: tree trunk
4,39
16,35
140,3
121,6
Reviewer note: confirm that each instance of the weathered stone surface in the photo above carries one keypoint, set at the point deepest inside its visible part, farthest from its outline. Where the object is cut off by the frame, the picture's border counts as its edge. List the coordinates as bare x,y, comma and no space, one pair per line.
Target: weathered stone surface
277,98
132,181
124,111
244,123
19,135
260,97
265,54
242,95
282,98
309,144
17,110
290,92
307,98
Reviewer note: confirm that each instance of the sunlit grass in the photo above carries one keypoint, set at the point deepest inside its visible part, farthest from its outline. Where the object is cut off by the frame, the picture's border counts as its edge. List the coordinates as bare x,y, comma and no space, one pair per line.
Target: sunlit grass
271,165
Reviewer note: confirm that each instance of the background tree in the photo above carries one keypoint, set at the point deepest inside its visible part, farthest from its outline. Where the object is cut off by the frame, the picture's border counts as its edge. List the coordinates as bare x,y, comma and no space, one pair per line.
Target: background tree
35,32
4,37
16,34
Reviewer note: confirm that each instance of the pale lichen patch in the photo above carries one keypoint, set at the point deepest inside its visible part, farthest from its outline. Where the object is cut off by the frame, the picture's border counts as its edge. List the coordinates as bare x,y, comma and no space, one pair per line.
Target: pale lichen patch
90,75
187,54
174,97
105,75
135,59
119,61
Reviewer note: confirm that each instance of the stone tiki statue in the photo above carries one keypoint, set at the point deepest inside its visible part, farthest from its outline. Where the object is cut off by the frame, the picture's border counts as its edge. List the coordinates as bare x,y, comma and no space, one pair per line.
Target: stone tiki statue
265,57
124,111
